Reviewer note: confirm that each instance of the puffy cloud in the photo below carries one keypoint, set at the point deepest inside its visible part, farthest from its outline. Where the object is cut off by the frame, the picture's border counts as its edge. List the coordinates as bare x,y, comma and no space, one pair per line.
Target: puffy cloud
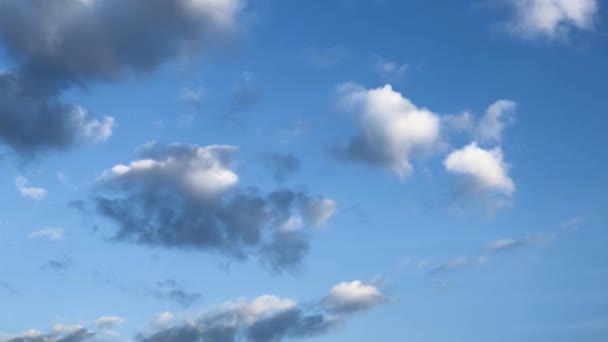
31,123
28,191
51,234
61,44
187,196
496,118
485,167
392,128
551,19
352,297
71,42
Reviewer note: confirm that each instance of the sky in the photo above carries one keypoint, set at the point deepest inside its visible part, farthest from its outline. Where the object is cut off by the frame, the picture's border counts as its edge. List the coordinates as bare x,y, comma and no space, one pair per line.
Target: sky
265,171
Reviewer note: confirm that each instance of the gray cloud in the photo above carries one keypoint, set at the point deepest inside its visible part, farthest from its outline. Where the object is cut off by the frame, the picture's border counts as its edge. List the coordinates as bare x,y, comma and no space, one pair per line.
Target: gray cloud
281,166
31,123
170,289
8,287
61,44
268,318
60,333
186,197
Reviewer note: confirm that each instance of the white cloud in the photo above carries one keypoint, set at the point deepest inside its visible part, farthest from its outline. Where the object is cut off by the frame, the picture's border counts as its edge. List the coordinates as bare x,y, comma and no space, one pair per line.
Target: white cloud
353,296
392,128
28,191
485,167
496,118
51,234
109,322
163,319
552,19
200,171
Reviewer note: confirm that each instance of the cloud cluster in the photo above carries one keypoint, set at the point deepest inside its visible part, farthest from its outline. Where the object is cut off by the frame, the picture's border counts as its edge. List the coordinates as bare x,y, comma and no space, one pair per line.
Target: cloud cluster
271,318
59,333
392,128
552,19
70,43
262,319
187,197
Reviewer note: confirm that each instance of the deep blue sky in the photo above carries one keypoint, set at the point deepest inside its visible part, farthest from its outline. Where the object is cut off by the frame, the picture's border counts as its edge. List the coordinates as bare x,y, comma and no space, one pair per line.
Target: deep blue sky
450,157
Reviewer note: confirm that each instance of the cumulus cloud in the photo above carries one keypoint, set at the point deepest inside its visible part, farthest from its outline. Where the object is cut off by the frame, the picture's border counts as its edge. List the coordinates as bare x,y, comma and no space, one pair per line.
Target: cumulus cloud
24,188
352,297
50,234
61,44
552,19
486,168
187,197
392,128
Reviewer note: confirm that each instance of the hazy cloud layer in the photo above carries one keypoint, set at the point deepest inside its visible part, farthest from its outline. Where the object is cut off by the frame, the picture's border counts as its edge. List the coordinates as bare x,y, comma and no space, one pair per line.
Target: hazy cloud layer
187,197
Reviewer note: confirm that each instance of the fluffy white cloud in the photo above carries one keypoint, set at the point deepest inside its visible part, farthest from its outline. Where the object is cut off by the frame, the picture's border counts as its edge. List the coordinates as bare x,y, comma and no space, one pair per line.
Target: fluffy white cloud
485,167
494,121
552,18
201,171
353,296
28,191
51,234
392,128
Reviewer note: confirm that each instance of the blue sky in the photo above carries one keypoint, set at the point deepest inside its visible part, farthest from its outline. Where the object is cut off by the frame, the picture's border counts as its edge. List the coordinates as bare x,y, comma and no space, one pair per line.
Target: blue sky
348,170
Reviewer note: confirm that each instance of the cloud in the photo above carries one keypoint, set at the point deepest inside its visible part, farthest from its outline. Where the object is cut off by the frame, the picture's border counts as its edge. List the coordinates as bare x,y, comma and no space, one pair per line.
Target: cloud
485,168
27,191
389,69
109,322
392,128
56,265
187,197
170,289
63,44
266,318
281,166
551,19
59,333
74,42
507,244
50,234
496,118
352,297
262,319
246,93
8,287
451,264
